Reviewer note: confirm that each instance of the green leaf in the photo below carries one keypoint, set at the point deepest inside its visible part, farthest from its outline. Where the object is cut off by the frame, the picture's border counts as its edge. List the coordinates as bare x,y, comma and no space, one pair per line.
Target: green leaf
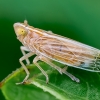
60,87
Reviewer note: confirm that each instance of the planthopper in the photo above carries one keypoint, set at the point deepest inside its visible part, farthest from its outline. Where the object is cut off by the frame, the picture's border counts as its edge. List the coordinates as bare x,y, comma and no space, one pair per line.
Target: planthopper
50,47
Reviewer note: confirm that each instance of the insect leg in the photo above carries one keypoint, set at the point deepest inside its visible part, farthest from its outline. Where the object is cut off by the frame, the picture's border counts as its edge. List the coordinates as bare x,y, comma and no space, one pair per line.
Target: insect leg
63,70
35,62
46,60
70,75
23,49
26,70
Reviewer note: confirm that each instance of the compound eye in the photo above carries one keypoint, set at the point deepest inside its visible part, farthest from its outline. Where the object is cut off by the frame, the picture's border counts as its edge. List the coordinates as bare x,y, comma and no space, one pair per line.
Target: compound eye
21,31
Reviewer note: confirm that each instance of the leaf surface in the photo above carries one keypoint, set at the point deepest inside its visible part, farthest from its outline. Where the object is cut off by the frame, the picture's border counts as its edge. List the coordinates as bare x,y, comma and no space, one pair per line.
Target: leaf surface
60,87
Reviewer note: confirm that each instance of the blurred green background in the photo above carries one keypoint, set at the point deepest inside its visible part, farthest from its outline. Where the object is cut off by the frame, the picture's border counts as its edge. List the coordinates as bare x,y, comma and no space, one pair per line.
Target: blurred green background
76,19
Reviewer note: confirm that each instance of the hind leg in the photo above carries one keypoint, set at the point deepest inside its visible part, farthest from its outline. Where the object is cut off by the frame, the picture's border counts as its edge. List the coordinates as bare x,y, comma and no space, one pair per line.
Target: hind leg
61,70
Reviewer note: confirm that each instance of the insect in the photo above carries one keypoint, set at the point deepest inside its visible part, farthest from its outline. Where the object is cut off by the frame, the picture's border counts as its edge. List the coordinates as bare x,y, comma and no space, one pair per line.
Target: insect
50,47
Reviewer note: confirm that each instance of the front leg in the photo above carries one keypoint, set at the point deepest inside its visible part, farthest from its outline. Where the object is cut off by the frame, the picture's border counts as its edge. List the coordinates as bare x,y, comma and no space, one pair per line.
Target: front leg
23,49
26,70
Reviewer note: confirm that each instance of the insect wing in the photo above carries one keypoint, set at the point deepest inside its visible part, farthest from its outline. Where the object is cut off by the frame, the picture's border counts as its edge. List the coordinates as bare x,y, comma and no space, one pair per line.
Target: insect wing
69,52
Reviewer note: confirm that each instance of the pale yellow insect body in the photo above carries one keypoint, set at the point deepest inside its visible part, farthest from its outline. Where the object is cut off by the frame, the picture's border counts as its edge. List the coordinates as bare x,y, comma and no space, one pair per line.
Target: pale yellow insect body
48,46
